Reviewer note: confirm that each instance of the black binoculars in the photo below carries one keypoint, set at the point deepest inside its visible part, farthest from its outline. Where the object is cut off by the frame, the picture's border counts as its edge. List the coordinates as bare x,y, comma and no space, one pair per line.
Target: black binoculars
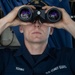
26,14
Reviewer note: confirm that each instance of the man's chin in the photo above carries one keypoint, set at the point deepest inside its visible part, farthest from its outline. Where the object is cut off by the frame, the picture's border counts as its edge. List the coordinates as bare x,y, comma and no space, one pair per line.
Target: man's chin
37,41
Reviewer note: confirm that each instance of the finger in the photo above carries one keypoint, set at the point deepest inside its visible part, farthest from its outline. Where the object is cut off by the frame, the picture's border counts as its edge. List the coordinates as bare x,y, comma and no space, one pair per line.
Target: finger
22,22
17,8
17,22
48,24
45,7
59,25
50,7
47,10
25,23
30,6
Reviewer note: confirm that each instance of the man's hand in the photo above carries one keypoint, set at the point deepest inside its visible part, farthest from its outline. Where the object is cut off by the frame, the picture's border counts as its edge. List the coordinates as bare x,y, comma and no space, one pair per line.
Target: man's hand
65,23
11,18
66,20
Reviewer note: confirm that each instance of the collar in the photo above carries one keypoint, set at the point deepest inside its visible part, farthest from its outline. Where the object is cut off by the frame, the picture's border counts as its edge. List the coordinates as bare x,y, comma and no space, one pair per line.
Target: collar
20,50
49,51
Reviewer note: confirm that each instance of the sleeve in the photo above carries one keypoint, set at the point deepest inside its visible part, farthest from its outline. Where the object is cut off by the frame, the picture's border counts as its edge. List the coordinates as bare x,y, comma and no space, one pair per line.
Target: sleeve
1,62
72,62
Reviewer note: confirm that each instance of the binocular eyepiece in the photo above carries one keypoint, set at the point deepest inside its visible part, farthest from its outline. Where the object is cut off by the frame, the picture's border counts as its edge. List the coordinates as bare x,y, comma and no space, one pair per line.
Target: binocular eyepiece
26,14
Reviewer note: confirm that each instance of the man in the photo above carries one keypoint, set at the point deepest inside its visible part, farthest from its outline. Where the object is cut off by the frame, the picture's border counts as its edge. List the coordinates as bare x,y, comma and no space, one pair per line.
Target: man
36,57
58,39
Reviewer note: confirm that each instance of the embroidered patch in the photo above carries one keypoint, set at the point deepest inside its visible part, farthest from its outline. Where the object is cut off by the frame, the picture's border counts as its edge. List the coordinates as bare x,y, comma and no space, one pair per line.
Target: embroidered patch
56,68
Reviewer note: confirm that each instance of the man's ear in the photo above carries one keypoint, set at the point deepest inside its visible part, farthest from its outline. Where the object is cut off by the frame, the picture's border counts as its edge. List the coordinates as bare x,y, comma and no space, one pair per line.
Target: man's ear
21,29
51,30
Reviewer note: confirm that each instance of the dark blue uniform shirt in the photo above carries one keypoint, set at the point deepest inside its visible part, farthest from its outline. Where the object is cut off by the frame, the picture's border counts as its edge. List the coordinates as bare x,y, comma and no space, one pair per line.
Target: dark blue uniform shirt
51,62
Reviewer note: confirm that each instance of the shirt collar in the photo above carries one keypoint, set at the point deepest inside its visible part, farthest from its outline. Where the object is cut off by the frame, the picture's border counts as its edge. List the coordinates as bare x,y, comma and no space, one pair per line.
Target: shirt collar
48,51
20,50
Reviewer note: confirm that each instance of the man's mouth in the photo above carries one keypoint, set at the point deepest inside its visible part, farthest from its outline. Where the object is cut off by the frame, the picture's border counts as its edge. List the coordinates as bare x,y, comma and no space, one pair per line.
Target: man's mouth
36,33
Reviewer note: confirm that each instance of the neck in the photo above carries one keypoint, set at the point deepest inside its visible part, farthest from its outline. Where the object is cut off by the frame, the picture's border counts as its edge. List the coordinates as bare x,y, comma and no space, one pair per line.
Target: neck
35,48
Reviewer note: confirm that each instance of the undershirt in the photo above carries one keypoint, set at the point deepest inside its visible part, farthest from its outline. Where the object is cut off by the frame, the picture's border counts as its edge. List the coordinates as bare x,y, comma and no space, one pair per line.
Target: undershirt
35,57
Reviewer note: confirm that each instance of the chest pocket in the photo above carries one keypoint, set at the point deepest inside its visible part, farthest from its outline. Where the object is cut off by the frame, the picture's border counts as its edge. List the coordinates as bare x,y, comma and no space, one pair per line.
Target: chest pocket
14,71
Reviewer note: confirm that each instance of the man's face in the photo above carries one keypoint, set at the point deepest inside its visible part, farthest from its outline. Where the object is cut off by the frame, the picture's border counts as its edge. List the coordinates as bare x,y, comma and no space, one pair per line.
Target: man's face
35,32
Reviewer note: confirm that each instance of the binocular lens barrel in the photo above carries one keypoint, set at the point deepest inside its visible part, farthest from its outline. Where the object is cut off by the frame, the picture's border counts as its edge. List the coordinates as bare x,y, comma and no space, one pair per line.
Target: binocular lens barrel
25,14
54,15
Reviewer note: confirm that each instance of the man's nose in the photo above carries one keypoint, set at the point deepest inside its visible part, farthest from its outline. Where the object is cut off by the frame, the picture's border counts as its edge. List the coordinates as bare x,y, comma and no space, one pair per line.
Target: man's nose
37,23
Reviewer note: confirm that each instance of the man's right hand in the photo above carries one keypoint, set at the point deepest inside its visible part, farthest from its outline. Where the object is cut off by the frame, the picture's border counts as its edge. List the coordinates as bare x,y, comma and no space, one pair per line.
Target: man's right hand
65,23
11,18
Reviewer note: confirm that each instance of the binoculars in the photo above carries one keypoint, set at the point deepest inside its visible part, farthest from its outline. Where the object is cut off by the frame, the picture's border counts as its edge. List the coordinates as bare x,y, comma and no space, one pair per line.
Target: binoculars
27,14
